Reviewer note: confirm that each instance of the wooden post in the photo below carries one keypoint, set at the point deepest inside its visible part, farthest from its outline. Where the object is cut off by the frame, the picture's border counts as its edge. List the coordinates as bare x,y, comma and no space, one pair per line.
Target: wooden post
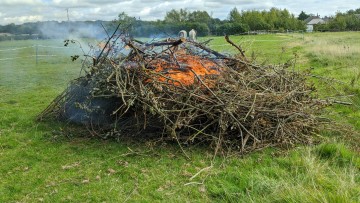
303,35
36,54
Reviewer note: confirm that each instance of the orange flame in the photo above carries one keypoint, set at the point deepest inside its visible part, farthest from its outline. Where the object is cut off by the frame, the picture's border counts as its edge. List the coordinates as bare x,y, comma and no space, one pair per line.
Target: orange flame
191,67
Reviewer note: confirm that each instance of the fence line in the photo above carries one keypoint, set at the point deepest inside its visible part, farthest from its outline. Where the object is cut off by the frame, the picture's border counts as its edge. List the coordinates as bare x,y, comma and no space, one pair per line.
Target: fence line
35,53
55,47
14,49
6,59
38,45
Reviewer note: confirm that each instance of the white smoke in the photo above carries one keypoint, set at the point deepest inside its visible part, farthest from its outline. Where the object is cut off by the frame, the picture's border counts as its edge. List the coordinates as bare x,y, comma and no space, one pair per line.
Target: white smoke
78,31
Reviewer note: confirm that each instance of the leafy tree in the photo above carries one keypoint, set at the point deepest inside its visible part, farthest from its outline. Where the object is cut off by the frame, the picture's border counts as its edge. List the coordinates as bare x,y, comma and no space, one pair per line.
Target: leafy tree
127,23
232,28
201,28
303,16
175,16
275,19
11,28
234,15
214,24
352,22
176,20
356,11
200,16
322,27
339,22
255,20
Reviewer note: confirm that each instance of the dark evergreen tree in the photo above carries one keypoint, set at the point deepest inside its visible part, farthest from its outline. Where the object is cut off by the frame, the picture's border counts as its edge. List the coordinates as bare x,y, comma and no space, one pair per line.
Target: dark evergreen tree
303,16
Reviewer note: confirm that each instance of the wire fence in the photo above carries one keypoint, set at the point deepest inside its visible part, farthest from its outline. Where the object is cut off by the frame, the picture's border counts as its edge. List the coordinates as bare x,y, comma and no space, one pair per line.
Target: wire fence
39,52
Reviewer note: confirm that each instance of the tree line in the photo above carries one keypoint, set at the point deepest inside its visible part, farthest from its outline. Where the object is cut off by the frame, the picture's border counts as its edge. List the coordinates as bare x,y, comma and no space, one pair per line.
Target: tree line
237,22
347,21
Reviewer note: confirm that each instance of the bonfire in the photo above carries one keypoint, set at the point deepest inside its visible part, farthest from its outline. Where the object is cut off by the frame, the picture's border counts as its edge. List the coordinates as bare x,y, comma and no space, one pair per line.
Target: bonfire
181,90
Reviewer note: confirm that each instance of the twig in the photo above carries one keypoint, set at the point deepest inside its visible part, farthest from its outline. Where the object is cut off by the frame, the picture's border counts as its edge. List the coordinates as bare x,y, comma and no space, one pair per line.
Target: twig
217,54
237,47
202,170
336,102
193,183
106,44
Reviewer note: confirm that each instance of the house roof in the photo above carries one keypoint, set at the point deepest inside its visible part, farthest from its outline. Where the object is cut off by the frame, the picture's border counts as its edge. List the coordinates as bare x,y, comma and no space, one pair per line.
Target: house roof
313,20
309,19
316,21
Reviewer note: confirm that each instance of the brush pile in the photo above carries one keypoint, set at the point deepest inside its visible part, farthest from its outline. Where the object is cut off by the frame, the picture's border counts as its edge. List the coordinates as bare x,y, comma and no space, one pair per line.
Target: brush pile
184,91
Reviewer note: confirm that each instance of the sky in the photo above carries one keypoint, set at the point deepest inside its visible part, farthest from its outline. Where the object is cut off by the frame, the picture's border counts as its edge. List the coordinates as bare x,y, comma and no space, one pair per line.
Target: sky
21,11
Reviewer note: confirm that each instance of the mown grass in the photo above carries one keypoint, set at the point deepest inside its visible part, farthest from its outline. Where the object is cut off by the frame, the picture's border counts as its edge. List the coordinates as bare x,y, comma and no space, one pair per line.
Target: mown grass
40,164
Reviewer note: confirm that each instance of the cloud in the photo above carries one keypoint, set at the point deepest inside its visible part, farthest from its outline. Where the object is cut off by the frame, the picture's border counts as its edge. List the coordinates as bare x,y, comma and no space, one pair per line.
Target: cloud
19,11
23,19
20,2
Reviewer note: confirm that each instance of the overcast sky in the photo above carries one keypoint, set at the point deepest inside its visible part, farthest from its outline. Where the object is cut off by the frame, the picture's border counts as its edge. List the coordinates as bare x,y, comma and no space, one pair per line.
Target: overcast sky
20,11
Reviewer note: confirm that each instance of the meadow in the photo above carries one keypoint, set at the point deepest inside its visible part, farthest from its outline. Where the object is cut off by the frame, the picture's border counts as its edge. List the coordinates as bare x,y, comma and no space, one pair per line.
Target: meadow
41,163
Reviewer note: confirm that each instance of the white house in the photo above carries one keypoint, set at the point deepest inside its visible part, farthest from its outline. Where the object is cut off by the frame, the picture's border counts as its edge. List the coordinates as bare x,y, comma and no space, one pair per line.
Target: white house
311,21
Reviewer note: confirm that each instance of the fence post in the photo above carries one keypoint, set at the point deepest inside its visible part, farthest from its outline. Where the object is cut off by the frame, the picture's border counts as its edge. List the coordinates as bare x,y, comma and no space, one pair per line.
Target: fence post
303,35
36,53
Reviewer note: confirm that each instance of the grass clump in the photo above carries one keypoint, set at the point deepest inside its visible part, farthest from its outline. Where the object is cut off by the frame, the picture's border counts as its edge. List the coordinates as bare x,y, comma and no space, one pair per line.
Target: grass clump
300,176
337,153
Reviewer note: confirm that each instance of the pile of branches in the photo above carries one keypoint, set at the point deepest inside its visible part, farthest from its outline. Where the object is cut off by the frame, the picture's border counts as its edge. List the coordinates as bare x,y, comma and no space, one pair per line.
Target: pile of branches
242,106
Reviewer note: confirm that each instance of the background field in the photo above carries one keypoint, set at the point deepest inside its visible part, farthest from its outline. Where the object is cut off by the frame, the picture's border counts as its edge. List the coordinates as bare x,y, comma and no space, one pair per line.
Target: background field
41,163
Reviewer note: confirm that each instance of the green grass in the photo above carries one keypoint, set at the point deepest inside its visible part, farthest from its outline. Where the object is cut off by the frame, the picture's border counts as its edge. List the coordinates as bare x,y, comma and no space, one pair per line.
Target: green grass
264,48
40,164
337,56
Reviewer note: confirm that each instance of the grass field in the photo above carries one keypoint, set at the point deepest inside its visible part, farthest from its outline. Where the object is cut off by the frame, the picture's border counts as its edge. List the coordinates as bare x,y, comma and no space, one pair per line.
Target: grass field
40,164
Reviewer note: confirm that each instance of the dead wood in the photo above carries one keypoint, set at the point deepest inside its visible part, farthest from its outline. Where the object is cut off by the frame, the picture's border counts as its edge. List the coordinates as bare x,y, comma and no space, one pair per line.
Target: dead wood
236,46
187,92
